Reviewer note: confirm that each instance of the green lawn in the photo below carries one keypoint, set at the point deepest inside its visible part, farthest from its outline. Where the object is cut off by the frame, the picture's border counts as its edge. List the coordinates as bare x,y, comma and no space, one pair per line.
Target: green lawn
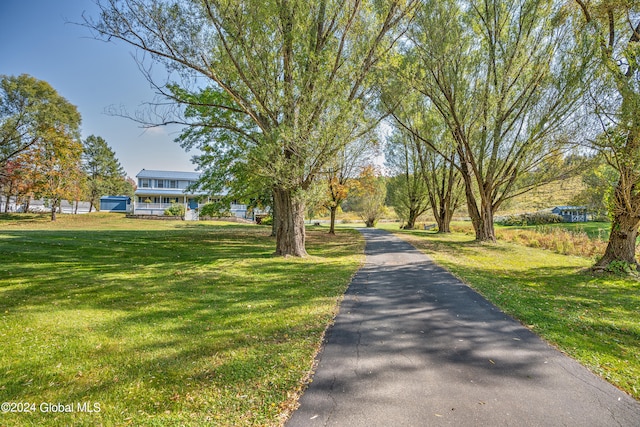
160,322
595,319
177,323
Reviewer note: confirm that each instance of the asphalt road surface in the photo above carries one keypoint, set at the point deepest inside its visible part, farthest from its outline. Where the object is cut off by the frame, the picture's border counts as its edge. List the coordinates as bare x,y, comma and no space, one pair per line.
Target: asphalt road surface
413,346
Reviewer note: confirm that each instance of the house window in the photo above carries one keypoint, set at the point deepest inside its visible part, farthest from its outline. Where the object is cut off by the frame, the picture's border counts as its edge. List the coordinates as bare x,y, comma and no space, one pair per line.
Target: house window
173,183
160,183
144,183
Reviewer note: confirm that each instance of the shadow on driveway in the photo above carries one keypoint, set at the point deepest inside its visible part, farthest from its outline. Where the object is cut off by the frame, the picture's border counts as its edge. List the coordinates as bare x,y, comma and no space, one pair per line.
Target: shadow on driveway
414,346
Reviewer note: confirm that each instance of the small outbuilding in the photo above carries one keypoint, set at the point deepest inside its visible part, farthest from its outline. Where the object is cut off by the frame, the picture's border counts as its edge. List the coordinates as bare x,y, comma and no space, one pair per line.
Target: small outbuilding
115,203
571,213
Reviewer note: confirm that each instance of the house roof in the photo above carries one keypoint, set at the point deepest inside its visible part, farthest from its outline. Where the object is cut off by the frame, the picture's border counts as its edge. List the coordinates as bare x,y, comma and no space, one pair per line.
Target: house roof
570,208
189,176
115,198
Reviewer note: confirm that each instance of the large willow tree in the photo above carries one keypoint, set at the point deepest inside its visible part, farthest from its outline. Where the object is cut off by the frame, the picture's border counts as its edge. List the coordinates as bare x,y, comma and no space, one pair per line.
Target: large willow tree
505,79
613,28
297,73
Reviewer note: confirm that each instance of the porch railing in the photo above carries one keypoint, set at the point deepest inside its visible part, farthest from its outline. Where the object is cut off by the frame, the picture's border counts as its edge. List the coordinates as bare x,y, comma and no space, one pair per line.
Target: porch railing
154,206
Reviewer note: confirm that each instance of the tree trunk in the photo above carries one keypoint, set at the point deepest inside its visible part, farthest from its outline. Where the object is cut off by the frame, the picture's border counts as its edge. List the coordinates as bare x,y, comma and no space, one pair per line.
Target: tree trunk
290,233
90,205
411,222
6,204
274,216
487,230
53,211
443,204
444,217
482,221
622,242
444,226
624,228
474,213
332,225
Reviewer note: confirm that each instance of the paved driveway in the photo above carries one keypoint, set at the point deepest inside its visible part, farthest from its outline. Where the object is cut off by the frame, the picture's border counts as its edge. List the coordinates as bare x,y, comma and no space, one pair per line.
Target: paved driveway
413,346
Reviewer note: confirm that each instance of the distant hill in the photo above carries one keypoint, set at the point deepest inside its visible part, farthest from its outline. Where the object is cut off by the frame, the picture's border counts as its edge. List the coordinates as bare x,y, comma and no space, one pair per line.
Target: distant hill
546,197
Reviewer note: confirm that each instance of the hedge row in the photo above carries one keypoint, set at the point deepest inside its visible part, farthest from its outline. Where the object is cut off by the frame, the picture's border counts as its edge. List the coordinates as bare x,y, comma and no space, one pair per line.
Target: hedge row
538,218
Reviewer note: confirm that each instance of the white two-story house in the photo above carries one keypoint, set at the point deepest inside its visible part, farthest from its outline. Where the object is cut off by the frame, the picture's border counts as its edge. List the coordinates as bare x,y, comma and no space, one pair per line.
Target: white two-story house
158,190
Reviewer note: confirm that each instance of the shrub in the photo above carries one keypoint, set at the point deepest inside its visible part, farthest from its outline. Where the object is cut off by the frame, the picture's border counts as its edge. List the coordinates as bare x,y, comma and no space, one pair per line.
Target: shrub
600,218
267,220
175,209
215,210
537,218
621,268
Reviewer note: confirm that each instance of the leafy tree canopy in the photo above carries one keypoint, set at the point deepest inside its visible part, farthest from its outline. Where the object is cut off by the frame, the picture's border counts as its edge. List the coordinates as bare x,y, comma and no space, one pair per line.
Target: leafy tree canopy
31,110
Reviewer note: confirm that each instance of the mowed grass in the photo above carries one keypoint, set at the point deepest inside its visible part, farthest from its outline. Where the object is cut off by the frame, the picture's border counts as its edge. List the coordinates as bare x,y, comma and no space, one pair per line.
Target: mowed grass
161,323
593,318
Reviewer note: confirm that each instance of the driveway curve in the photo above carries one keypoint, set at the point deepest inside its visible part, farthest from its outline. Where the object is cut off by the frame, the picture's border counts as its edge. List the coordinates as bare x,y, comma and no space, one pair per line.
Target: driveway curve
413,346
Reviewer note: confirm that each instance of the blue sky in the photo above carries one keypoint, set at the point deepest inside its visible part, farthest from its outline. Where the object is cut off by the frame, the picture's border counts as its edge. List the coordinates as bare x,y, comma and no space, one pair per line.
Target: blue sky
36,39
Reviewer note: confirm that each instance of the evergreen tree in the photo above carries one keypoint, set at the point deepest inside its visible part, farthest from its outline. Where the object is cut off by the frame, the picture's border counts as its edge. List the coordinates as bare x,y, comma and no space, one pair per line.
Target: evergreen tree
105,175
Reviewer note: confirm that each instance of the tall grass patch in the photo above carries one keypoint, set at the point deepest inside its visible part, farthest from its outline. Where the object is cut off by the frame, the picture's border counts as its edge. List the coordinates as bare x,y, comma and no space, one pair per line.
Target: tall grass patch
556,239
161,323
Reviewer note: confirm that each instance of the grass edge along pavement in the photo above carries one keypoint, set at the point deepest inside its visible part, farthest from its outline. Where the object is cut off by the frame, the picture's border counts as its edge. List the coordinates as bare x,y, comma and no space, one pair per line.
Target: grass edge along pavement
593,318
161,323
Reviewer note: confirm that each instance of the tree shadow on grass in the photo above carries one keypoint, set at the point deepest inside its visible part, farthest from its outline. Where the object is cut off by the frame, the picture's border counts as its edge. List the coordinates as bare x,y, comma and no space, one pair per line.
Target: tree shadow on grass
180,303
